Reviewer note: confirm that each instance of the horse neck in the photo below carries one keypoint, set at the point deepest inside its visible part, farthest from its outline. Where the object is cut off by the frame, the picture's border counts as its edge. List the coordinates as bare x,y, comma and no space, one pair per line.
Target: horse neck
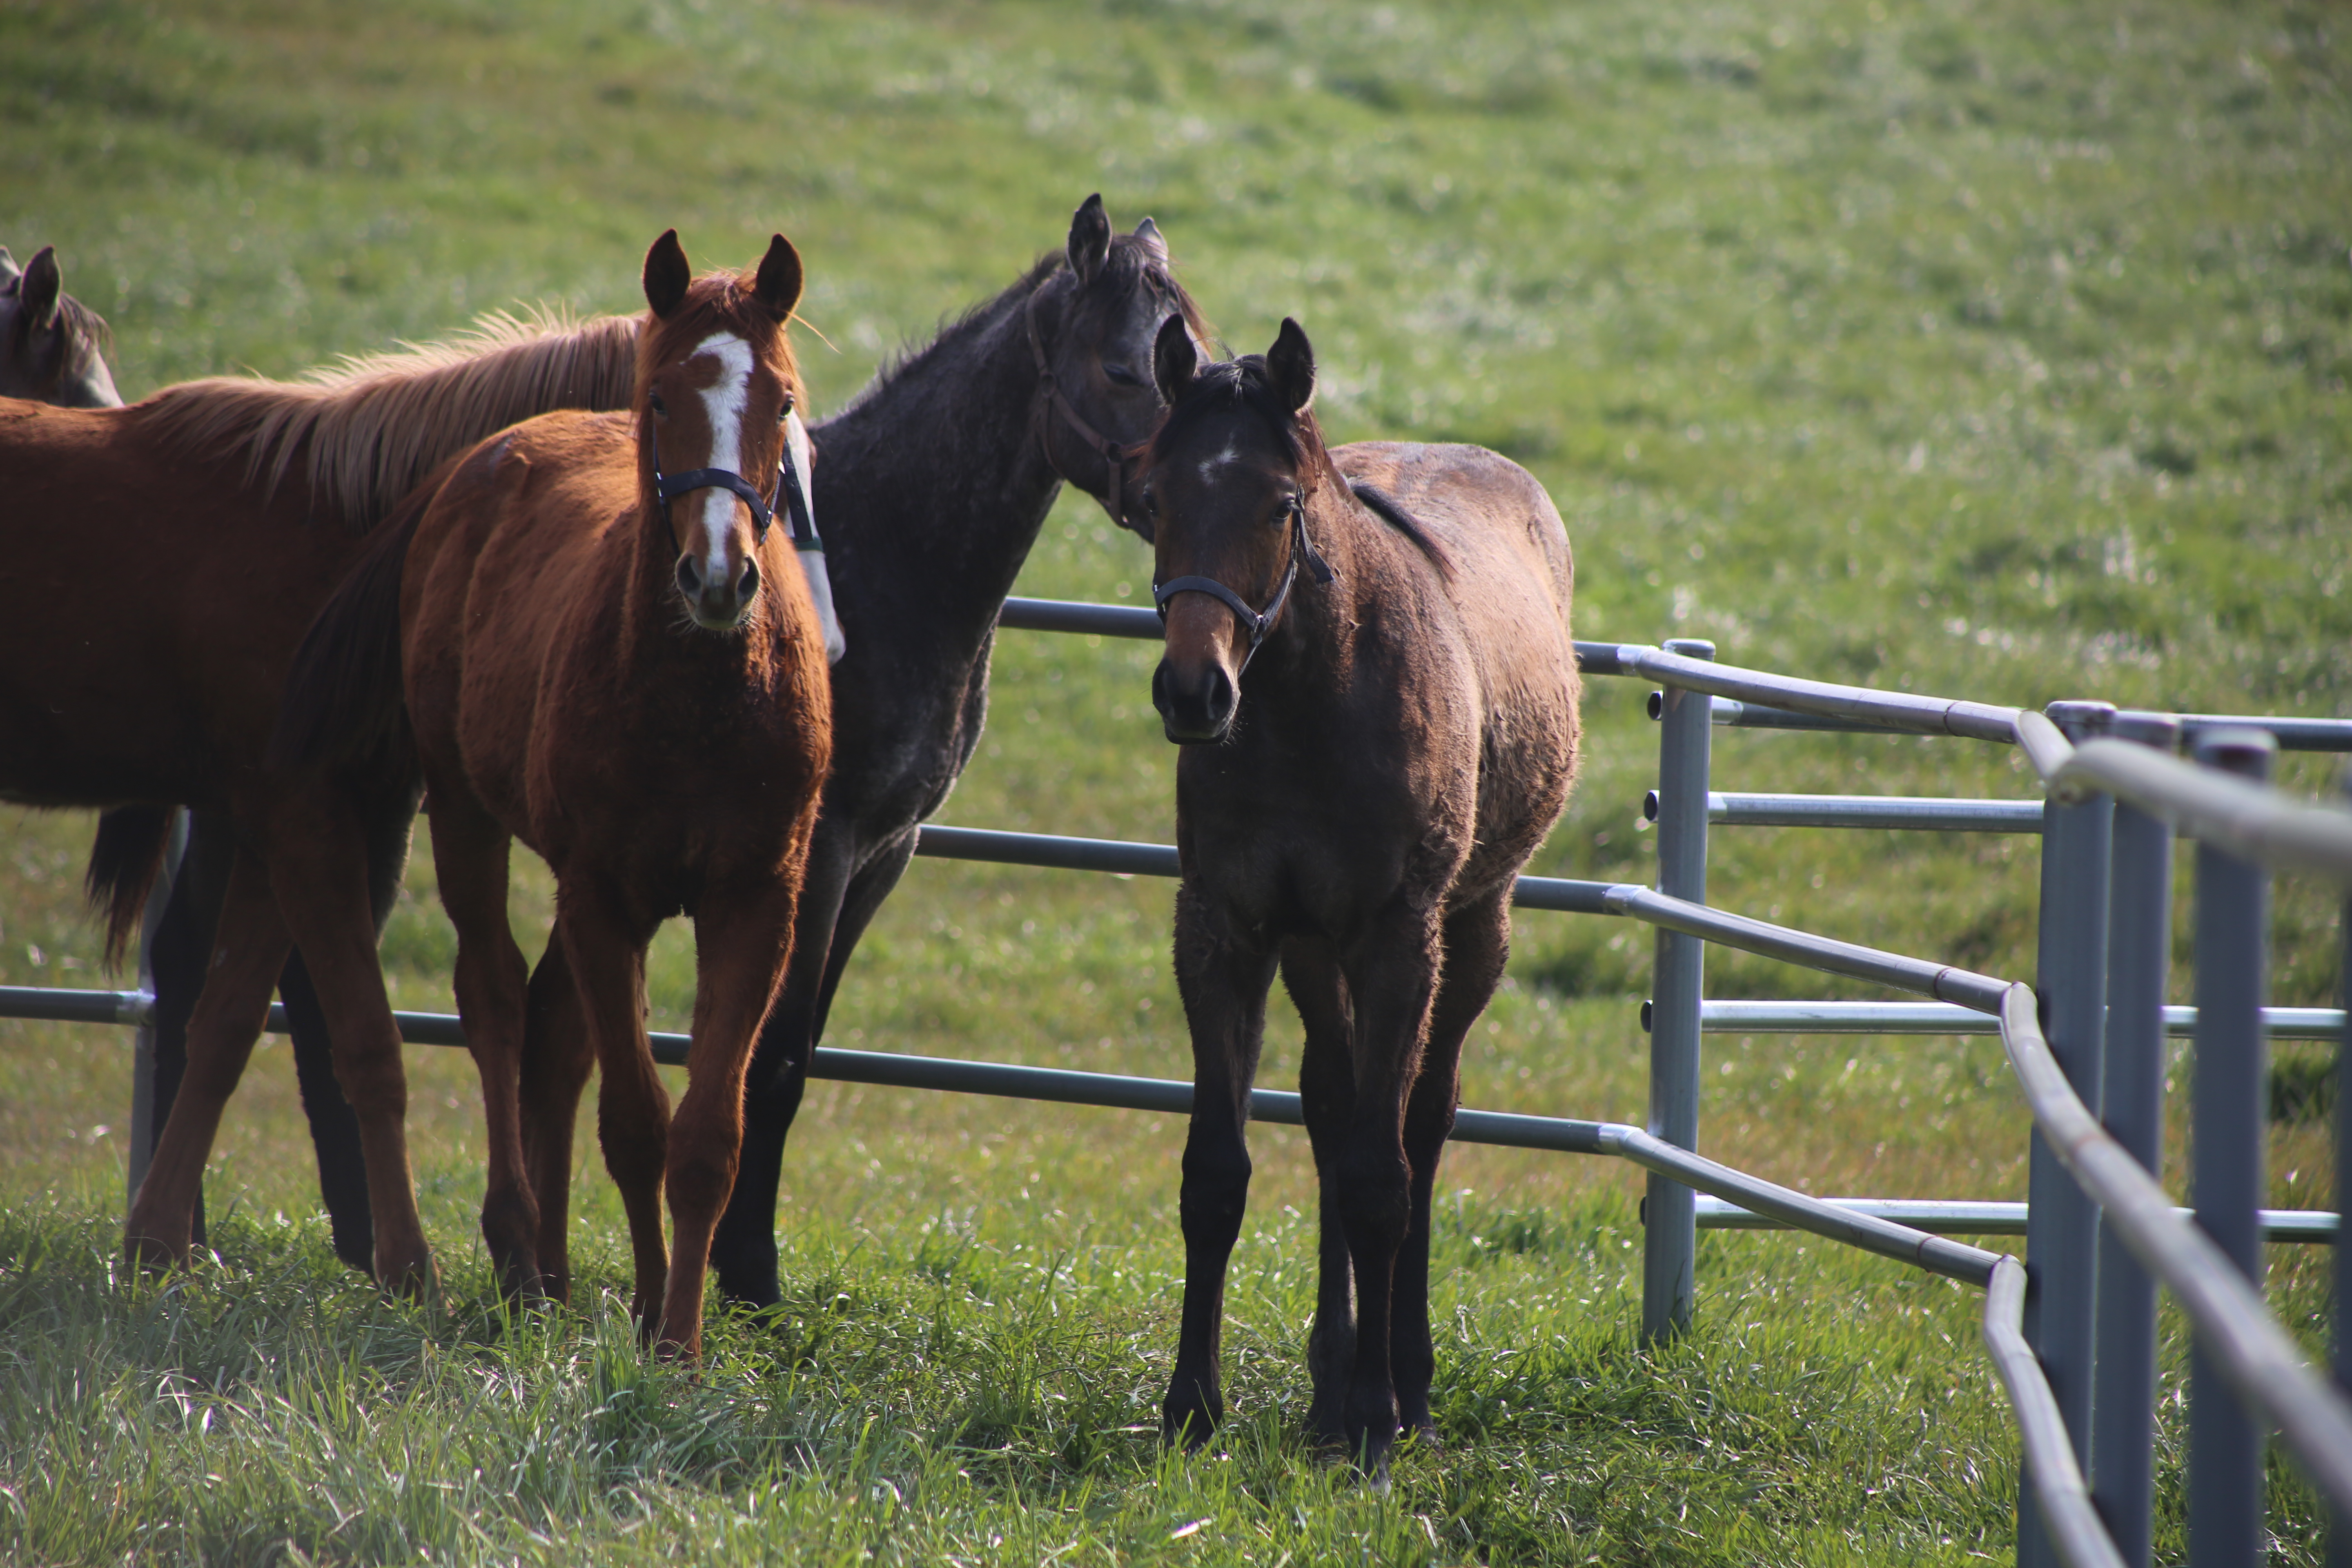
1310,654
930,489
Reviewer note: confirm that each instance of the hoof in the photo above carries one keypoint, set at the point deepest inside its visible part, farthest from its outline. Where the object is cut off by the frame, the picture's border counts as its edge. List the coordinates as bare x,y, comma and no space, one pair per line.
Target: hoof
152,1254
1189,1429
411,1278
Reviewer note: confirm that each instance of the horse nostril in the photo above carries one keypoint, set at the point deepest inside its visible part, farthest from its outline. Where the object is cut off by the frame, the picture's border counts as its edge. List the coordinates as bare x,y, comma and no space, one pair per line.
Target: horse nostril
689,577
1221,696
749,584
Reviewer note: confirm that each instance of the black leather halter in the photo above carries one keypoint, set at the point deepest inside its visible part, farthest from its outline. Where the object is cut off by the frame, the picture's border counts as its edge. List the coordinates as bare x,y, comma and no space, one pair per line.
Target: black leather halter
1114,457
1257,621
787,497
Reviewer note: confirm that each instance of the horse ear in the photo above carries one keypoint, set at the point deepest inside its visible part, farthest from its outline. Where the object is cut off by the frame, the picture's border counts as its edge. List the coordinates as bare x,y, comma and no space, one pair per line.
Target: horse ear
1174,360
779,284
44,282
1290,366
1089,238
666,273
1148,233
9,270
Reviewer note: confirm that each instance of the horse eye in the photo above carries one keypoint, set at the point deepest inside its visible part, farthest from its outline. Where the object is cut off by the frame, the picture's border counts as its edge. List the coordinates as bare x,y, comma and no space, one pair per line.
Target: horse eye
661,409
785,411
1121,375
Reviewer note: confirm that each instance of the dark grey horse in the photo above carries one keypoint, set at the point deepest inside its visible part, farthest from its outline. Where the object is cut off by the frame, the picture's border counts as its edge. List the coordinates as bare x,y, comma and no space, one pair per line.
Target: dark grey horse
1368,659
52,346
930,489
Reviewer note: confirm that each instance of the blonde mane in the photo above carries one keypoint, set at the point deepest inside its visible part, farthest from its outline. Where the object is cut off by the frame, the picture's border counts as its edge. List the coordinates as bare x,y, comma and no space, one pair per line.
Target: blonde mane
370,428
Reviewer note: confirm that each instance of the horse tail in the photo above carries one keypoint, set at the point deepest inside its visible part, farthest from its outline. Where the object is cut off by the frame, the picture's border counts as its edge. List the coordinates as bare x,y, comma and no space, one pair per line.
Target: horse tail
125,861
345,700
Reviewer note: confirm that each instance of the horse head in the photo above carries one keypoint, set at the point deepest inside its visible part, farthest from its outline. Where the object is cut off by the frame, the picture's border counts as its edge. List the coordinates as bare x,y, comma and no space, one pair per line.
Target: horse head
717,388
1091,328
1228,482
52,346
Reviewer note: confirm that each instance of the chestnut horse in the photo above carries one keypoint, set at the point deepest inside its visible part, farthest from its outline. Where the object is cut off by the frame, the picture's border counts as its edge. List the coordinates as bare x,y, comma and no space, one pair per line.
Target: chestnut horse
237,505
1369,668
606,651
52,346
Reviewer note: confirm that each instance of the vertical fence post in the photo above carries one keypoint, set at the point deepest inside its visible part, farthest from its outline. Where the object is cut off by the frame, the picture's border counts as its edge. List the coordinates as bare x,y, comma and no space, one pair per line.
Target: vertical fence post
142,1048
2231,1122
2131,1087
1670,1225
2340,1547
2062,1223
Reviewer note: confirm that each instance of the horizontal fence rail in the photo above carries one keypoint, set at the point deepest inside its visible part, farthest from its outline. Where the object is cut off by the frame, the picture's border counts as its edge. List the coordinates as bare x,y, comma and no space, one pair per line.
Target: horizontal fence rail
1727,1017
2246,819
1972,1217
1931,812
2225,1310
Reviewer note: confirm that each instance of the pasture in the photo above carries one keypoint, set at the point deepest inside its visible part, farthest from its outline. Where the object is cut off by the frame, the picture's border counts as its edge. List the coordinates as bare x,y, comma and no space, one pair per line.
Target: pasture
1979,349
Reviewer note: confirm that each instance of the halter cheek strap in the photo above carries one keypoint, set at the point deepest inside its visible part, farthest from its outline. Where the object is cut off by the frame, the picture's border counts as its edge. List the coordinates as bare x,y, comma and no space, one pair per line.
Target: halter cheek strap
1114,455
786,497
1258,621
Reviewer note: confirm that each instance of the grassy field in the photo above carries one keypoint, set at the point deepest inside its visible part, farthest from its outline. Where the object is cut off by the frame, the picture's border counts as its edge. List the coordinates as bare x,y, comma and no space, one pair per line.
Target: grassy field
1982,349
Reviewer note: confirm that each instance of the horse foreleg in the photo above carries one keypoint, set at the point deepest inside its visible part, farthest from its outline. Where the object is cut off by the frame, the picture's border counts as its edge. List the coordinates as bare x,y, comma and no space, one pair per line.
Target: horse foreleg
319,870
608,961
827,920
1222,976
1477,942
250,945
469,853
1391,974
741,937
1326,1093
556,1061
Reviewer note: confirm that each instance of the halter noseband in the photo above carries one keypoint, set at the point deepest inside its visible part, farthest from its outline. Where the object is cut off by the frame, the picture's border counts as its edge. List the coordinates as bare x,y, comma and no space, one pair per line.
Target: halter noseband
787,497
1113,454
1257,621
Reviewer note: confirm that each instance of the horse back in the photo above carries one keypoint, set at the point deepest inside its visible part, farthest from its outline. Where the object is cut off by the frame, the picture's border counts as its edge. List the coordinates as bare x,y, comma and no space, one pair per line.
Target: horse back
496,580
1494,578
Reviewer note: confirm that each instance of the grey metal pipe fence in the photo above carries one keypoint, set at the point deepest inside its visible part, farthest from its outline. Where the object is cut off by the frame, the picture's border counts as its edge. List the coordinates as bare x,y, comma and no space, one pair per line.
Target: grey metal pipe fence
2059,1420
2140,950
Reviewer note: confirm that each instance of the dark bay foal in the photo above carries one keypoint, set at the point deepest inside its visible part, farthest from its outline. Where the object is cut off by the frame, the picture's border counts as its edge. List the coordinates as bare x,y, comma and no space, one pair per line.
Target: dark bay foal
1369,669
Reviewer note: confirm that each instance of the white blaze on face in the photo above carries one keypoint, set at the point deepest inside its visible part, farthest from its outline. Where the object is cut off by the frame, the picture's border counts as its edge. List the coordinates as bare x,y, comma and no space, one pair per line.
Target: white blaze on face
724,401
1224,459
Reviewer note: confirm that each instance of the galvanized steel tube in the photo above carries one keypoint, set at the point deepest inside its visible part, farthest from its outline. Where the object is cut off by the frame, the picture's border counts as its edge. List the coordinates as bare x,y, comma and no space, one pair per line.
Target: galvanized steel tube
2243,815
2140,948
1723,1017
2073,1528
1943,981
1927,813
1669,1232
143,1130
2228,1128
2062,1222
2231,1323
1894,709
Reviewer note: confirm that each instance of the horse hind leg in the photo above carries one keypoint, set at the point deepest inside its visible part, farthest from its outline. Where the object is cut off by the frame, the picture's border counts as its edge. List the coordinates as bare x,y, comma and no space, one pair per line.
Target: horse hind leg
249,947
1327,1089
318,869
469,853
556,1061
1477,944
1391,975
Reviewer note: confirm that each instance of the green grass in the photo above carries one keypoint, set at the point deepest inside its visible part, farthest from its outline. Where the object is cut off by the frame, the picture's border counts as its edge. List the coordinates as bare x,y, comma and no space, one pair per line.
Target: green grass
1981,349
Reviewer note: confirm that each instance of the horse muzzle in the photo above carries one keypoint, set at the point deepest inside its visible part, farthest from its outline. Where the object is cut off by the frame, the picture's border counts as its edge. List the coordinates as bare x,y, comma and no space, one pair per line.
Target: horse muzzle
716,605
1196,706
